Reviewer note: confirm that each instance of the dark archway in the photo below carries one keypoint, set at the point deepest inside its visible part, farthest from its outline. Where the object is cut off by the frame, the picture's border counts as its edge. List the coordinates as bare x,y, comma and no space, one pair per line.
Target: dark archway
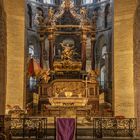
106,12
29,15
103,62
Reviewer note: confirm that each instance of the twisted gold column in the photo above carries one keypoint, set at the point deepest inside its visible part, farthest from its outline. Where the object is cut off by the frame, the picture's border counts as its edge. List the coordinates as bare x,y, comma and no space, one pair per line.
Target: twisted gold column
83,51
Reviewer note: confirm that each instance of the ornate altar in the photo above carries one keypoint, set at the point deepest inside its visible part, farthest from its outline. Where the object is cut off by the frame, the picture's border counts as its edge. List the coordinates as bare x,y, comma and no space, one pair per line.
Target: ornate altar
63,95
70,90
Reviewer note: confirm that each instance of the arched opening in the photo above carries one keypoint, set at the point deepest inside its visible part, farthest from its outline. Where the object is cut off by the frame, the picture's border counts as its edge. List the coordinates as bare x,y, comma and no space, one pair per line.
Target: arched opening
104,52
98,17
107,15
33,47
100,49
103,62
31,51
102,76
29,16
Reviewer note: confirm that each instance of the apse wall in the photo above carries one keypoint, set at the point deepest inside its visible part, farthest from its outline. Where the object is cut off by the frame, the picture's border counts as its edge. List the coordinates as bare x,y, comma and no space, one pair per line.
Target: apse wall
123,55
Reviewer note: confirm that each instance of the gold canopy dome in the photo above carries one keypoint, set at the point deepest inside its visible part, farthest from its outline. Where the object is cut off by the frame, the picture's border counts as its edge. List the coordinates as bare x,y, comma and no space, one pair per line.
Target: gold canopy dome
68,6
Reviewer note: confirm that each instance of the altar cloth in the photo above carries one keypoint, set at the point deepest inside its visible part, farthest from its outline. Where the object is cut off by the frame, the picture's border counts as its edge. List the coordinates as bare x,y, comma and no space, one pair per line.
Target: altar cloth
65,128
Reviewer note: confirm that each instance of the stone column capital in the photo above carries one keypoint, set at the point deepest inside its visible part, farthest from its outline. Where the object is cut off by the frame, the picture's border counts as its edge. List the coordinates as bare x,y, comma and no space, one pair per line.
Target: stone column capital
51,37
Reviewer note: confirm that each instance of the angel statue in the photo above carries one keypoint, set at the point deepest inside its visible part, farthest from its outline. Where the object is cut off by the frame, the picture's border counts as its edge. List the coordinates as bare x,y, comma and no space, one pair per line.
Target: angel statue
44,75
67,52
83,12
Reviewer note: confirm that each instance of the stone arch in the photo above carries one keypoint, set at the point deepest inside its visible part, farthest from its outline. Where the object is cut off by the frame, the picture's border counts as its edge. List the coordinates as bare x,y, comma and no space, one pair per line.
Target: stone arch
30,83
40,10
102,63
98,18
101,41
99,60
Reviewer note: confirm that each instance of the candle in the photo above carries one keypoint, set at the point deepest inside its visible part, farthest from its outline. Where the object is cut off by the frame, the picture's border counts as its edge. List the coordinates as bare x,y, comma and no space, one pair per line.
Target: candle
86,88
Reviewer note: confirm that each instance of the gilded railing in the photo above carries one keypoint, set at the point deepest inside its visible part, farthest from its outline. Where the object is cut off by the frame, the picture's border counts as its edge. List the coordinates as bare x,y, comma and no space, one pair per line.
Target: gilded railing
114,127
96,127
29,127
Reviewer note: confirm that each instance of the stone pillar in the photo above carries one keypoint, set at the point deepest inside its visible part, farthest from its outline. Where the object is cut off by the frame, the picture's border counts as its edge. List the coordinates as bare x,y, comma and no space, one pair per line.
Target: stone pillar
15,10
4,120
42,50
137,65
123,58
83,51
2,58
51,50
93,52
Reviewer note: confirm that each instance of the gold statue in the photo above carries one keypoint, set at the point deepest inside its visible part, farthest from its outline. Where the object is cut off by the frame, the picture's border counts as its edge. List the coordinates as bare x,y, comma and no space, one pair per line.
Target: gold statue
67,52
44,75
93,74
83,12
50,13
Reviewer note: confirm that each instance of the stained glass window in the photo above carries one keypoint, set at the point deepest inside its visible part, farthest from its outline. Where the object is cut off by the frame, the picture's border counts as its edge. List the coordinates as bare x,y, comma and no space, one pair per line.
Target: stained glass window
87,1
49,1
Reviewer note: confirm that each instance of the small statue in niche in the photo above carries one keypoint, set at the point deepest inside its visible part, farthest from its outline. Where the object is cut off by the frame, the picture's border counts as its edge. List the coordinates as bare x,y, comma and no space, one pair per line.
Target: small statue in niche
39,19
67,52
84,18
50,17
